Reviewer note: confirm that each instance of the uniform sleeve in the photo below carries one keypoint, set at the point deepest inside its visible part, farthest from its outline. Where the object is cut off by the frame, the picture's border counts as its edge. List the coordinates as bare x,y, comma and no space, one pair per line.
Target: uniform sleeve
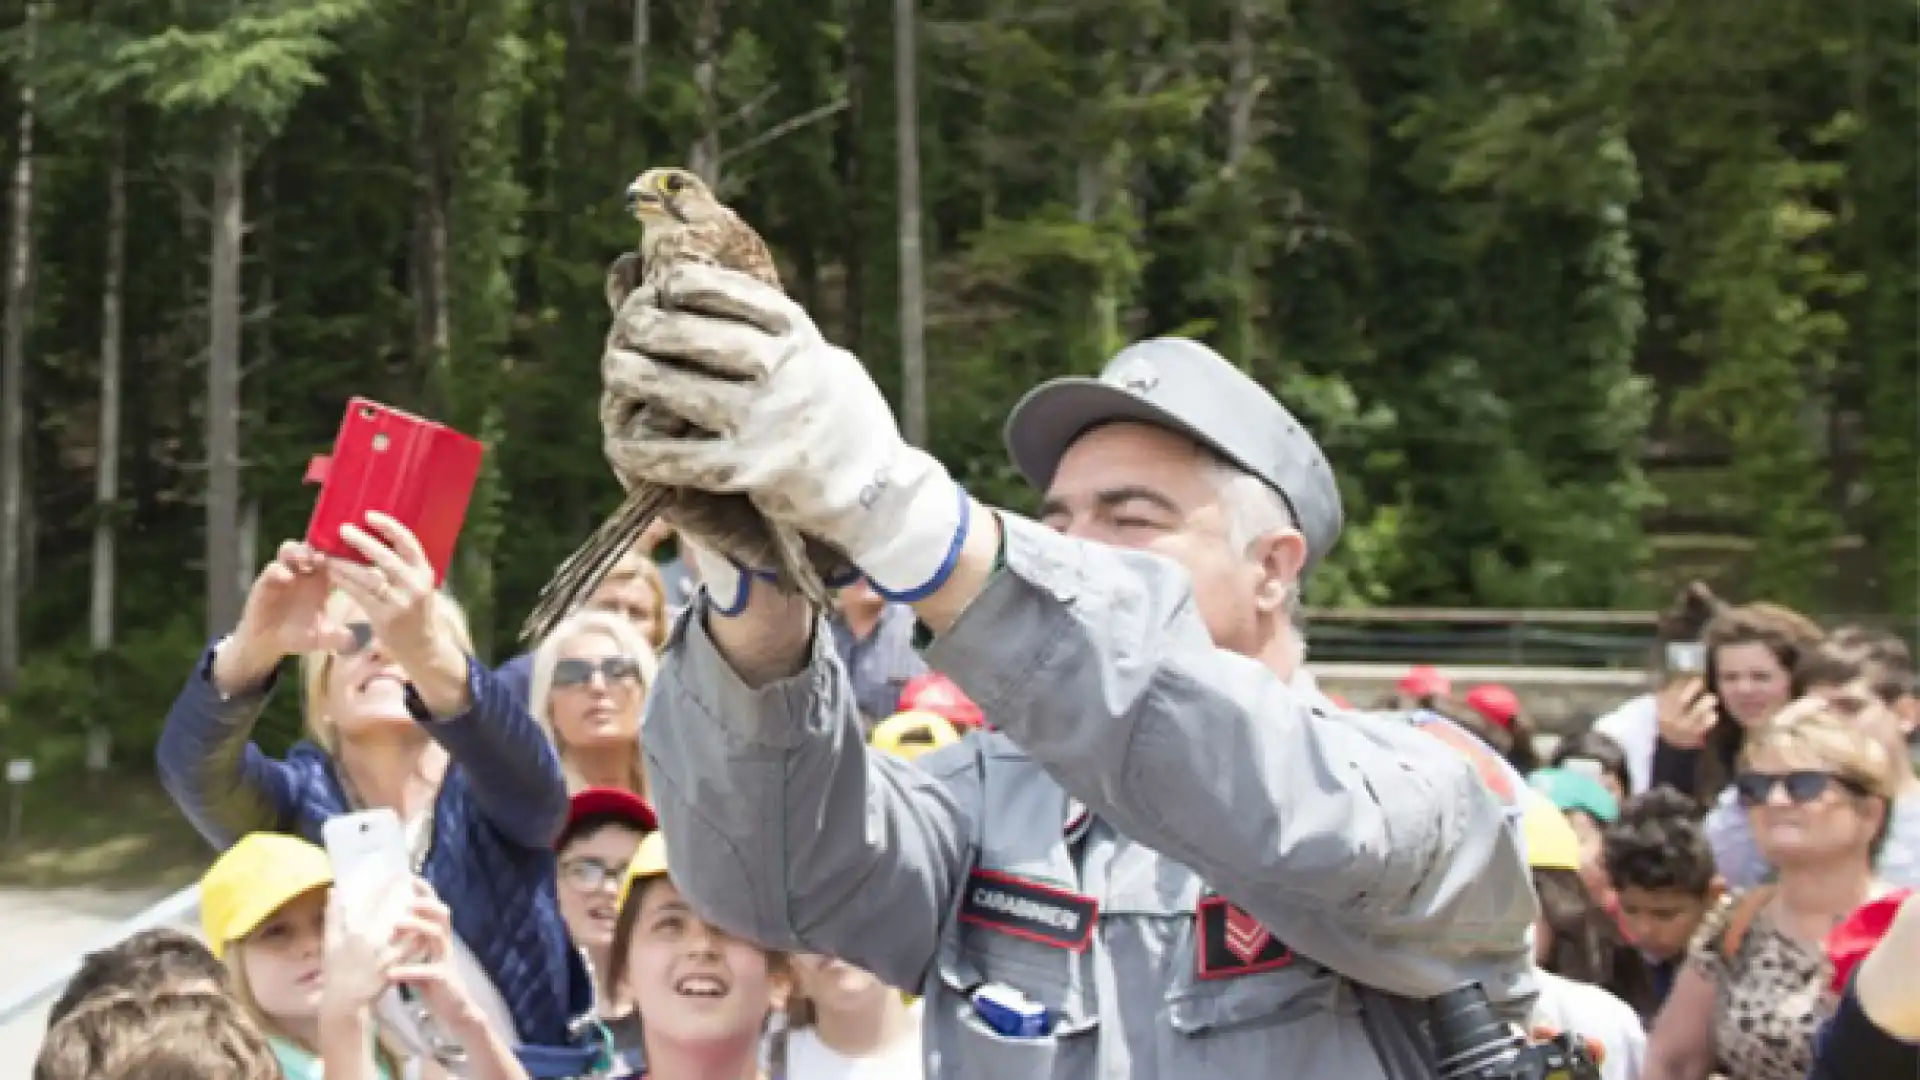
785,828
214,772
1349,836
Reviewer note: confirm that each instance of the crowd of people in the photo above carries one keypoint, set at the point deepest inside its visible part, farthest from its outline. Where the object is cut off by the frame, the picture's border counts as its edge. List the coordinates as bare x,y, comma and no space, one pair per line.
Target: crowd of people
1028,803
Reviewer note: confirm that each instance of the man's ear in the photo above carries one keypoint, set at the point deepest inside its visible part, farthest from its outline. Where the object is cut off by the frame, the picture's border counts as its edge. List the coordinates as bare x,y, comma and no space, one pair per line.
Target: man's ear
1280,555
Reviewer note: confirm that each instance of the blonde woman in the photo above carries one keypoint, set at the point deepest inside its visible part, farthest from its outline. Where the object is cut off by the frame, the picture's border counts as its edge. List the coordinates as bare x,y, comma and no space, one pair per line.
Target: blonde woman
1817,791
399,715
590,681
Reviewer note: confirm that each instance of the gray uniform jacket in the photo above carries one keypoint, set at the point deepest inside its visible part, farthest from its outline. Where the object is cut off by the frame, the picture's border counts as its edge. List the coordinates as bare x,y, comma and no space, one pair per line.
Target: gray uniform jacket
1246,880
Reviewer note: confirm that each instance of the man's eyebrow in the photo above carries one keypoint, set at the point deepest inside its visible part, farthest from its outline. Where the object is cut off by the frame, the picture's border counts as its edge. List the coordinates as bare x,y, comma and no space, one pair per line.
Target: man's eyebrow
1050,506
1113,497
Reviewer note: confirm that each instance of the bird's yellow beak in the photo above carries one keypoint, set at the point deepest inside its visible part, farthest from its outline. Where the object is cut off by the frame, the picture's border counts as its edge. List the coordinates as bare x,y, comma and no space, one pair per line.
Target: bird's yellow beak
644,202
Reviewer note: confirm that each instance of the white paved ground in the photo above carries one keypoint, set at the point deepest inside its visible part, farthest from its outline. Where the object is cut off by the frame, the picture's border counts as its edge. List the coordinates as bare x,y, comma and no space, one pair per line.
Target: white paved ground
39,929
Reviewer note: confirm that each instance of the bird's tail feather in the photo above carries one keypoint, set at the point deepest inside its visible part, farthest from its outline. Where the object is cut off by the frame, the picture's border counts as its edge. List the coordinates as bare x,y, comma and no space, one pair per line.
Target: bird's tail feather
796,567
586,568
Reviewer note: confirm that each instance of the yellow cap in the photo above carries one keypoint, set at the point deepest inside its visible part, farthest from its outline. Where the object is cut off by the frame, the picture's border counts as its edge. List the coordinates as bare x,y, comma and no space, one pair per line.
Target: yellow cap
910,734
253,879
1551,842
649,861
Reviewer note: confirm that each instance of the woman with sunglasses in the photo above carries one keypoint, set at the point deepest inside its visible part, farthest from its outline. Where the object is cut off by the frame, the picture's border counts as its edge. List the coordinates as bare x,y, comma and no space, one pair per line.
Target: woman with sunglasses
590,681
1816,790
399,715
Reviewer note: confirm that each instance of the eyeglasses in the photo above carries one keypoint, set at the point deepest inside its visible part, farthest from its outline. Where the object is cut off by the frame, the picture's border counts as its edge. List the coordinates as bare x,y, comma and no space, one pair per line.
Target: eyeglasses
362,637
1803,786
580,672
589,874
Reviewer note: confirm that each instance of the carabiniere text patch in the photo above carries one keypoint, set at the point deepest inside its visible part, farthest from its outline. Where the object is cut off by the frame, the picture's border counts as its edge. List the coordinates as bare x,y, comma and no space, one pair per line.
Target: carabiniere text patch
1030,910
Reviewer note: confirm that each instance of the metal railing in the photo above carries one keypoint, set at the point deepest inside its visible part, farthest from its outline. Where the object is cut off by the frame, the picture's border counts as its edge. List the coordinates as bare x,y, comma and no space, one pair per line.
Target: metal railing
182,905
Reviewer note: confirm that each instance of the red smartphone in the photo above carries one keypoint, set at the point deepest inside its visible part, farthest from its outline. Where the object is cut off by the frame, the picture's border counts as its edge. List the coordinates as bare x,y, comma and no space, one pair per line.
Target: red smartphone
416,471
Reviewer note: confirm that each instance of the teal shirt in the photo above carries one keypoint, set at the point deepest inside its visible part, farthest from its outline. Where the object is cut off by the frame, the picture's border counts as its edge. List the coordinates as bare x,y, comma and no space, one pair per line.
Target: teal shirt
297,1064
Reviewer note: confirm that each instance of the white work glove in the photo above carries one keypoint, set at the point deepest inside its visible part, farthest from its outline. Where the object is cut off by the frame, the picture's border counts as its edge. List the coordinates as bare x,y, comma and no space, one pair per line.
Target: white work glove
796,424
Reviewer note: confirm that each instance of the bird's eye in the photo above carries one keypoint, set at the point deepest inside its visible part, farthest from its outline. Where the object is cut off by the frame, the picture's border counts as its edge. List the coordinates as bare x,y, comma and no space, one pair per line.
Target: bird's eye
676,182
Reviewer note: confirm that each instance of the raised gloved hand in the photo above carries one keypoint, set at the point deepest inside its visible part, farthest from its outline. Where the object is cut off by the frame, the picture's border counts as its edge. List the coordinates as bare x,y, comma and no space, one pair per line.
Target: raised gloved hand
796,424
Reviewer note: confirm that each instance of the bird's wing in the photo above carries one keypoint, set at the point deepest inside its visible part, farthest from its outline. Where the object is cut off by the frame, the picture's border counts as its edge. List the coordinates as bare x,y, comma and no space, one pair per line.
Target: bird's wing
622,278
740,248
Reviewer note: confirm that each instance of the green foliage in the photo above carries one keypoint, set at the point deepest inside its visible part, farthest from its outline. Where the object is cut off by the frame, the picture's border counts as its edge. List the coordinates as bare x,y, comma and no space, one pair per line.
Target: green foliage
1502,259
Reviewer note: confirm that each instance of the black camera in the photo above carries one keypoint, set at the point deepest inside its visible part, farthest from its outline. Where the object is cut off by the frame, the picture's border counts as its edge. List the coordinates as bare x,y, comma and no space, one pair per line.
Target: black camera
1472,1043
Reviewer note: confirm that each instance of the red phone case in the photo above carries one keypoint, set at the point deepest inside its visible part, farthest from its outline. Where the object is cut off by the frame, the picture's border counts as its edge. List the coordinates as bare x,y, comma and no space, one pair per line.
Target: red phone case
419,472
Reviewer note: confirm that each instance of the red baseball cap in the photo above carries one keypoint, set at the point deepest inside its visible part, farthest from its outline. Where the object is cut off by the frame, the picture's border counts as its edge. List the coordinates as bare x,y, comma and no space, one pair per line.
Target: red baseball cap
1497,703
604,802
935,693
1424,680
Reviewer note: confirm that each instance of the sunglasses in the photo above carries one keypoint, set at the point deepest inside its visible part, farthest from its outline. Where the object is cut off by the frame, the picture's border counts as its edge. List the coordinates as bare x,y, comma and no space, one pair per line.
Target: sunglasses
1803,786
362,637
568,673
589,874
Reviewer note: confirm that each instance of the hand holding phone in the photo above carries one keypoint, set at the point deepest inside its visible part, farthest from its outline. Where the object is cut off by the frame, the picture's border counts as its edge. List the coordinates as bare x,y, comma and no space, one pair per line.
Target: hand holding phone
1685,658
372,870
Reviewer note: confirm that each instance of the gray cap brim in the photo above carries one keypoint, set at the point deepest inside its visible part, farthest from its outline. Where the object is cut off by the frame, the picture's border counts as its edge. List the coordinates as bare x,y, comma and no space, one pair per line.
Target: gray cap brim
1053,416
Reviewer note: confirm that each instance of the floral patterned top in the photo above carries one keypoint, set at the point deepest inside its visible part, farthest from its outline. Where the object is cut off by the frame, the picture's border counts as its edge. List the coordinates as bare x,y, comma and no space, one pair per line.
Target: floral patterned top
1770,996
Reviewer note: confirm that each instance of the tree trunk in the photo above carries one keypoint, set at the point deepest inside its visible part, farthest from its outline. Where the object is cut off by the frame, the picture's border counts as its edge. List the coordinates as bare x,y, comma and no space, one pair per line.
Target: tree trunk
642,39
106,476
913,308
704,158
852,177
247,560
223,377
1242,94
13,372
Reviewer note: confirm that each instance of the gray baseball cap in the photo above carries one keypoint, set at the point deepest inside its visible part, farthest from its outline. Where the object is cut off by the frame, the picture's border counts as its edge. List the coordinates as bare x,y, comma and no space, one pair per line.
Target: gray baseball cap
1183,386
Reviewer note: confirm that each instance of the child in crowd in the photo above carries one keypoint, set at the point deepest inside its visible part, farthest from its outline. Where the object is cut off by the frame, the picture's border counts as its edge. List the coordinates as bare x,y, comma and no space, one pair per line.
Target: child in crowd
1662,870
1599,757
845,1024
310,980
603,831
702,996
1575,946
1589,809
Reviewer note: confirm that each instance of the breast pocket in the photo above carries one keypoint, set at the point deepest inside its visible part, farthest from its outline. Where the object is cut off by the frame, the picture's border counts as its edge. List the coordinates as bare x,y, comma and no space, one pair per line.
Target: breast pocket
1016,927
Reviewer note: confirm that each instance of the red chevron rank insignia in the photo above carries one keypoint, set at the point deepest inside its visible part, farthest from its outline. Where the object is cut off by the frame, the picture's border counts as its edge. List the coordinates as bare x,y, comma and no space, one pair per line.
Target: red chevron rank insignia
1230,942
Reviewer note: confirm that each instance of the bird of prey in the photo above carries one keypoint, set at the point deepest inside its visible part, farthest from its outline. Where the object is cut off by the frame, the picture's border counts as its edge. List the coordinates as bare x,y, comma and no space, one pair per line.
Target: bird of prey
680,220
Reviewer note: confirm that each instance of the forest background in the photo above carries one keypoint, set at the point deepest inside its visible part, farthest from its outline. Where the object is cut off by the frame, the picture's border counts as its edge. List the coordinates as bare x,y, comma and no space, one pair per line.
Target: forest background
1584,298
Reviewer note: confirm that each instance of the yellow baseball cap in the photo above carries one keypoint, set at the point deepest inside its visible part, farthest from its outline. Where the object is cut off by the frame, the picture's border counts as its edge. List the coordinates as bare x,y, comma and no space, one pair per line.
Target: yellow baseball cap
649,861
1551,841
253,879
910,734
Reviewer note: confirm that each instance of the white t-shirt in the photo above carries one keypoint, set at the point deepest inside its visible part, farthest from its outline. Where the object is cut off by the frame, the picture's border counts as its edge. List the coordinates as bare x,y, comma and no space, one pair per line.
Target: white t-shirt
1593,1013
1635,725
810,1059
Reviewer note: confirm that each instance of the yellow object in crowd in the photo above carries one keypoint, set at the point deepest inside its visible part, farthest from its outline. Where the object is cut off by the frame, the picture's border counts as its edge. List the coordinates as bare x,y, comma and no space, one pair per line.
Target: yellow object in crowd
910,734
253,879
649,861
1551,841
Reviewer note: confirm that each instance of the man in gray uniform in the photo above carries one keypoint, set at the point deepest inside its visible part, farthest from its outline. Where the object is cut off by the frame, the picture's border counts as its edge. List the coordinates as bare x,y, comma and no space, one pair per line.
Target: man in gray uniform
1165,863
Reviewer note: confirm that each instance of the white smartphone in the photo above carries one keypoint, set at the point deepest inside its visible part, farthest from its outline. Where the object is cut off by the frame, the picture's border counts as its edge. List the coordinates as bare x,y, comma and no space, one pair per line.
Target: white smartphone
1686,658
371,867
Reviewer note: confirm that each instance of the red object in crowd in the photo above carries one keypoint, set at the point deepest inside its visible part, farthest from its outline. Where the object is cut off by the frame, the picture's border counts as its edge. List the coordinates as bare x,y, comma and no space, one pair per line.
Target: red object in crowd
1425,681
1851,941
1496,703
937,694
615,803
1341,702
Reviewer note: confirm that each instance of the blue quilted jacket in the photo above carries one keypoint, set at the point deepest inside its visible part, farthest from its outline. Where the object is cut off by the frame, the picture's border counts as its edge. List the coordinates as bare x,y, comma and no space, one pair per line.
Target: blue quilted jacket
500,807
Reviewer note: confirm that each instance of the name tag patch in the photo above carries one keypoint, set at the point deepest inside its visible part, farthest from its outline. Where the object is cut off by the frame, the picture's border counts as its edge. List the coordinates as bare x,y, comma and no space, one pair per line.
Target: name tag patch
1030,910
1232,942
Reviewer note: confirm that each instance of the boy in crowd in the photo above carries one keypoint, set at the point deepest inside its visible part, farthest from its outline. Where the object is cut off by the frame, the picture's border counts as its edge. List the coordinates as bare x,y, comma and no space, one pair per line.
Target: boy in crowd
1657,856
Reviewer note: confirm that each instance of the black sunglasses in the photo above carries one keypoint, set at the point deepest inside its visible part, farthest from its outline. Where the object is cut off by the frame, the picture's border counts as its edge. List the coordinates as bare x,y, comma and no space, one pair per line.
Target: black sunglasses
580,672
1803,785
589,874
362,637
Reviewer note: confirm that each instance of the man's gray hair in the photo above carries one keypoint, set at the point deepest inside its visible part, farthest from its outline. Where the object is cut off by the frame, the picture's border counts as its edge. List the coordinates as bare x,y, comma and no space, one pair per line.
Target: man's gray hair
1253,510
